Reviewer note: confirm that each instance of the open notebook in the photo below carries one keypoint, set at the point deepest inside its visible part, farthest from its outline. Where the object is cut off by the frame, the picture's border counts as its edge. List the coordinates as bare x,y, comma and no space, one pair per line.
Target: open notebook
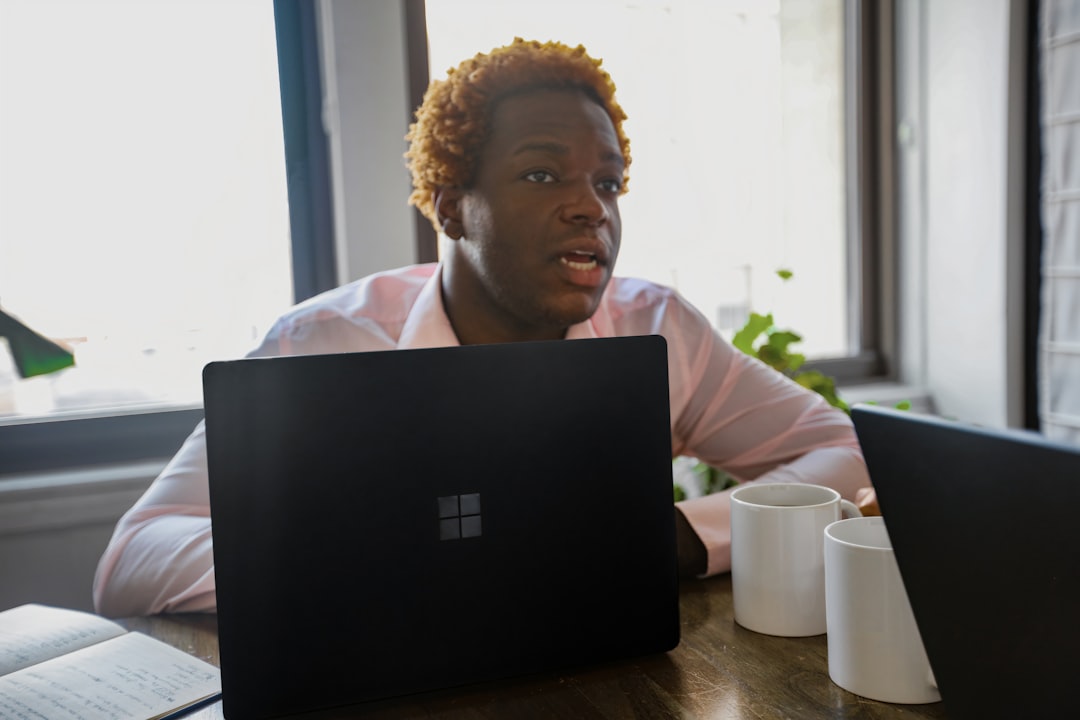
394,522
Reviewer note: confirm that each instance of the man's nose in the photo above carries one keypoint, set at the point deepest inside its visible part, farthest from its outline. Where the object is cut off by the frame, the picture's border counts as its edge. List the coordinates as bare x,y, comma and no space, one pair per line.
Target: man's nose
584,205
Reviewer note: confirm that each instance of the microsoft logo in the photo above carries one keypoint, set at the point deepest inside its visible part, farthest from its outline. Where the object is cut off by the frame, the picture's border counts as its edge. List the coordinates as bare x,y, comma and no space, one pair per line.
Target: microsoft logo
459,516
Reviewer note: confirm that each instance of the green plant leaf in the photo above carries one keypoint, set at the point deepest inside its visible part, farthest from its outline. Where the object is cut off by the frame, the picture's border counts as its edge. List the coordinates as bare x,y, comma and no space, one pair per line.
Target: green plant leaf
823,385
795,361
719,480
780,340
755,325
772,357
776,353
812,379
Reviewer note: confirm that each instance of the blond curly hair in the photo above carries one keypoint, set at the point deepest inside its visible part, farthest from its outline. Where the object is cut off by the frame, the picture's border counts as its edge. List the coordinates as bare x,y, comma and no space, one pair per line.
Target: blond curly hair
454,120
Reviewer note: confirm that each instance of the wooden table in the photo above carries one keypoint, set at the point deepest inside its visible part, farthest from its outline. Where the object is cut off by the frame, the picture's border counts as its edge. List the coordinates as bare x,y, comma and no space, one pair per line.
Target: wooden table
719,670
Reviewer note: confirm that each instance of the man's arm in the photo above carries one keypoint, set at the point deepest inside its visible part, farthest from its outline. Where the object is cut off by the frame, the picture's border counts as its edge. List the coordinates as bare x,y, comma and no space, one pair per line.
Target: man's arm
160,557
733,412
709,517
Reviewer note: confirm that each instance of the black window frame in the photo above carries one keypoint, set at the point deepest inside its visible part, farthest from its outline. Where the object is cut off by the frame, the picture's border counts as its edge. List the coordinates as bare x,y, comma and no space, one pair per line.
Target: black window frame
869,63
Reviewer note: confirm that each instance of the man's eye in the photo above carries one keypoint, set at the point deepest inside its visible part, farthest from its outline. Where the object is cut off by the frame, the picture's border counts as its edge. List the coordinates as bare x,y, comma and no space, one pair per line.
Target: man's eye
540,176
610,185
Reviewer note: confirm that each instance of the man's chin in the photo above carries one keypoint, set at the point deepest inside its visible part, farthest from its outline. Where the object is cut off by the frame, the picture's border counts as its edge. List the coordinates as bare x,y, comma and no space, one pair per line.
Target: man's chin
573,312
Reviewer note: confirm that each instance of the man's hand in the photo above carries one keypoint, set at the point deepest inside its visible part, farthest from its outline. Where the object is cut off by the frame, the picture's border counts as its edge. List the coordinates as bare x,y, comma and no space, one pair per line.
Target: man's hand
866,501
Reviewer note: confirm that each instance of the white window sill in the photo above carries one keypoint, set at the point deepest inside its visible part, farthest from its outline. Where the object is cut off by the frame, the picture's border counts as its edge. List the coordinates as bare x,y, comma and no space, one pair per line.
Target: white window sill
889,394
45,501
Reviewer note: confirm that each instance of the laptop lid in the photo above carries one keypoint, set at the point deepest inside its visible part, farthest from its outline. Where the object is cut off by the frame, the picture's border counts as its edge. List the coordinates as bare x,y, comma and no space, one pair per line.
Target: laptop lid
393,522
983,524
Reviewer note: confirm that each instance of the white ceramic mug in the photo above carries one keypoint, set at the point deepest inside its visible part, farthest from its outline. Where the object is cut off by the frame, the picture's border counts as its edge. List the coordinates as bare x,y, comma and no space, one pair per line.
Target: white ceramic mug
875,649
777,559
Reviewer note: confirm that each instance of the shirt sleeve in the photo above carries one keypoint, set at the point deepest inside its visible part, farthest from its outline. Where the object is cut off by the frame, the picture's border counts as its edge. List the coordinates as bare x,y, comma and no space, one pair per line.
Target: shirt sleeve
160,557
736,413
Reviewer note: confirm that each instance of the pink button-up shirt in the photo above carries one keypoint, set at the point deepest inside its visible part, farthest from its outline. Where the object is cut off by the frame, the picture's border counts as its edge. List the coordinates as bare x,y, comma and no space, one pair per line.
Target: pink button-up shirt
726,409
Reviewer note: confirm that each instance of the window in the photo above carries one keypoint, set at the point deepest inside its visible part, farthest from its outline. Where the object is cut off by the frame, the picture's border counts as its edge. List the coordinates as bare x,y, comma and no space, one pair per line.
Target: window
740,116
143,212
811,206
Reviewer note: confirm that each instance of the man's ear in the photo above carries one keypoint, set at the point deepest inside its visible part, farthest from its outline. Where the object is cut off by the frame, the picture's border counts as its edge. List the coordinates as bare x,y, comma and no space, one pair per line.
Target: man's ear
448,210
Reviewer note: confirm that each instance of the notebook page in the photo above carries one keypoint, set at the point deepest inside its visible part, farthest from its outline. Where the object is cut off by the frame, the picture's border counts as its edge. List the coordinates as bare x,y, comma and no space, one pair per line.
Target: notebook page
32,633
130,677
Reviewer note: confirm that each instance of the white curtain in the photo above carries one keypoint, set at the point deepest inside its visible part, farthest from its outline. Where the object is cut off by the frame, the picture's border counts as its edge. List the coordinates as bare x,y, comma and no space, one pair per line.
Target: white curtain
1059,347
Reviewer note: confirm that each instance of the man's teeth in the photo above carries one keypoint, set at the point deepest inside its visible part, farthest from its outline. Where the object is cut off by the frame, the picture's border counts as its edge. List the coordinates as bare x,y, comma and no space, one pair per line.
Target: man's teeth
579,261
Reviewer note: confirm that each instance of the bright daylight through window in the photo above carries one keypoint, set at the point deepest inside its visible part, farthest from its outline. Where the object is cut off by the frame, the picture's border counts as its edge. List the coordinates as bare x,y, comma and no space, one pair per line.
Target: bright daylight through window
736,124
143,211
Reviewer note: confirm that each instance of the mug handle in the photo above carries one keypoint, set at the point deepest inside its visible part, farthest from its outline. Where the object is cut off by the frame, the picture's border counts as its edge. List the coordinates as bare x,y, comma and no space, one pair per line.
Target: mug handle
849,509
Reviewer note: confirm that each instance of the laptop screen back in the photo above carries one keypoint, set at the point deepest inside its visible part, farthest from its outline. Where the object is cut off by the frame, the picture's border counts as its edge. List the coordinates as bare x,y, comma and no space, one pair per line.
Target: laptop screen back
983,524
388,523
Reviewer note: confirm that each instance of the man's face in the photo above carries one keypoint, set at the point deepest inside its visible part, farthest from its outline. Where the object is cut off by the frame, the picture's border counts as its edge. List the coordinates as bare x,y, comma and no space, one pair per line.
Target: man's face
540,228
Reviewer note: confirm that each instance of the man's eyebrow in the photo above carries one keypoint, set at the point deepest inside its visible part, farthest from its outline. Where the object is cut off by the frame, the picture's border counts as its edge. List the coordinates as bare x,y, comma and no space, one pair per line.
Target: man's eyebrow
613,156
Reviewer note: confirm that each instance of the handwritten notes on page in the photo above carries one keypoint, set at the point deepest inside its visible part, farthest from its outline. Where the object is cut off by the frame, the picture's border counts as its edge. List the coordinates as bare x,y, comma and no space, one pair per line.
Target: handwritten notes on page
32,633
127,676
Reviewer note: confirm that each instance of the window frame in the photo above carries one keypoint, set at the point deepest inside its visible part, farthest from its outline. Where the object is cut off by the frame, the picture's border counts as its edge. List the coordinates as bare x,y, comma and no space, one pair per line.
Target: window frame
125,436
871,194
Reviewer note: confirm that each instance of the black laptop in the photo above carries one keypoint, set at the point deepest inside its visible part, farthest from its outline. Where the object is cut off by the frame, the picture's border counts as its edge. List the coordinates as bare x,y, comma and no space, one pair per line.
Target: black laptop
985,529
389,523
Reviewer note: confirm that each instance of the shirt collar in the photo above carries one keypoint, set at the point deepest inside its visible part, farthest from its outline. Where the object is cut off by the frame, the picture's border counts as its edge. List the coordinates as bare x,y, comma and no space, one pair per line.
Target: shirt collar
427,324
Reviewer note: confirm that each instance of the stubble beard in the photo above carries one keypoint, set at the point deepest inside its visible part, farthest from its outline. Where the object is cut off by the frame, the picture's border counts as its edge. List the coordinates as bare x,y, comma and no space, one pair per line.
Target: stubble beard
540,313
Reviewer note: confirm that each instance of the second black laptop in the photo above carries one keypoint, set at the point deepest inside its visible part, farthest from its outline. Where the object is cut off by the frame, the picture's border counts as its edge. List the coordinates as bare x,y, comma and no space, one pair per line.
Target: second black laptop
982,521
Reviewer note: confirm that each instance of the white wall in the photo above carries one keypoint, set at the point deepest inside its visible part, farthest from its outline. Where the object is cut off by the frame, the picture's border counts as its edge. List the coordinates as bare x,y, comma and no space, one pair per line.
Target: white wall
54,528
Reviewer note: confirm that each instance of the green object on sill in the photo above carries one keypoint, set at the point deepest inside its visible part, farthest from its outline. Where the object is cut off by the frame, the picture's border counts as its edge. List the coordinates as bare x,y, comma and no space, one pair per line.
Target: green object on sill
33,354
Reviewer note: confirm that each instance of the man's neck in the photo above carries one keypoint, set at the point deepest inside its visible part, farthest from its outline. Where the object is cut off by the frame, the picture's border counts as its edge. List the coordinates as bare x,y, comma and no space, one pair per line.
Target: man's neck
472,326
471,332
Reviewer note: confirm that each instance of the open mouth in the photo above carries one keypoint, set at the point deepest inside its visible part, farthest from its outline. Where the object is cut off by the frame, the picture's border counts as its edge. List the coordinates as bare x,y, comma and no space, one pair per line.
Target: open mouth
579,260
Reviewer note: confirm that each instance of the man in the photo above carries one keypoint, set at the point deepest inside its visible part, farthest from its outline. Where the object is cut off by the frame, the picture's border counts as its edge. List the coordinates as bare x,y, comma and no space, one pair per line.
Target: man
519,157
